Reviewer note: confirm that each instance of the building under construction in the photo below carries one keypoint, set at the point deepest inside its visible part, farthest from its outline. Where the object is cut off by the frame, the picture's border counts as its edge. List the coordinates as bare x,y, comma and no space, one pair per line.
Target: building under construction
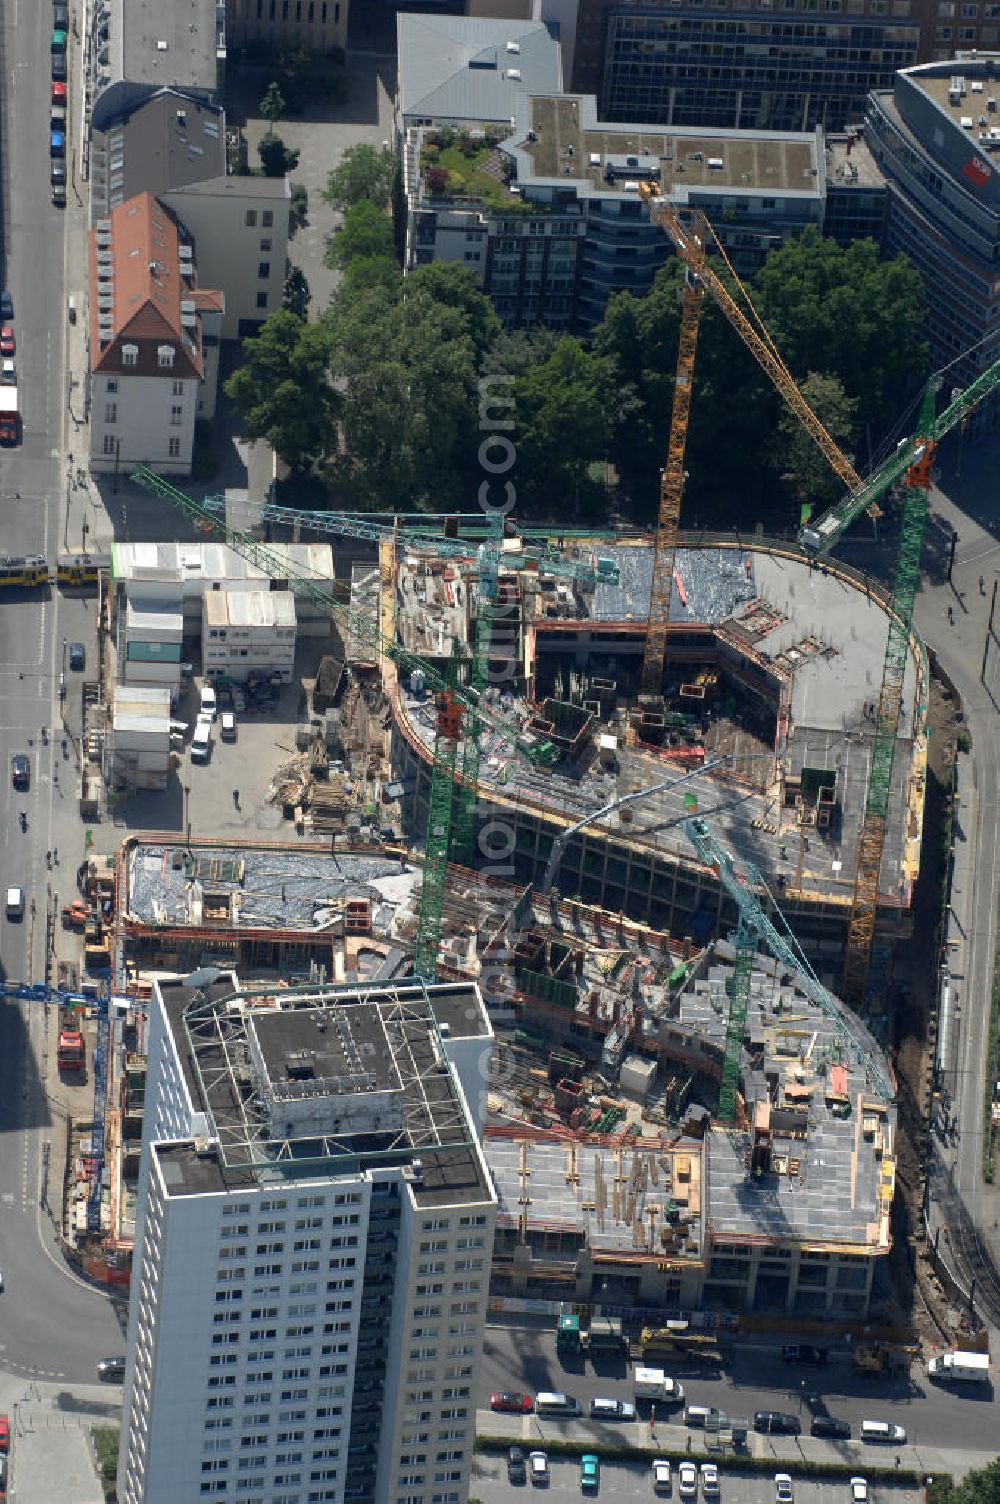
774,663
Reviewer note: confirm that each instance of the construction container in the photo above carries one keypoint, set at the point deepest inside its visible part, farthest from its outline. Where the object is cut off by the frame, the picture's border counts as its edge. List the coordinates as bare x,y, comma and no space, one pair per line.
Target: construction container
637,1077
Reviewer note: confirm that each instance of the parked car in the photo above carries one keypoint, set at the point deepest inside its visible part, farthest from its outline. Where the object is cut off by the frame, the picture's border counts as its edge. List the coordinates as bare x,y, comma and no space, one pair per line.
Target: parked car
777,1422
783,1491
57,46
20,771
687,1480
4,1434
60,16
516,1472
59,195
8,373
661,1475
710,1480
59,66
111,1370
859,1491
509,1400
58,92
8,340
590,1471
804,1352
832,1427
538,1466
6,305
57,174
601,1409
77,657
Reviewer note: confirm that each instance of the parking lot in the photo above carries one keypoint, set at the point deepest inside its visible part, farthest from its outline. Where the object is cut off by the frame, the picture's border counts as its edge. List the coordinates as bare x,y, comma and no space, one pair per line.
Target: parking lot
620,1479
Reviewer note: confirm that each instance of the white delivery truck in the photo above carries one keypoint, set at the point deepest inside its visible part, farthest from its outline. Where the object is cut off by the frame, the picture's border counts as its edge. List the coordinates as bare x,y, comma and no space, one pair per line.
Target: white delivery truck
960,1368
648,1383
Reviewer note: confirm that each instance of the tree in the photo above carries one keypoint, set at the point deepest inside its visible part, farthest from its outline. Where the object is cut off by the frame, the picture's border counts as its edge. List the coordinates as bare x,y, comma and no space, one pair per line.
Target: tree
363,172
454,286
796,452
298,206
296,297
514,351
561,429
365,233
847,312
272,106
282,391
369,273
276,158
981,1486
408,367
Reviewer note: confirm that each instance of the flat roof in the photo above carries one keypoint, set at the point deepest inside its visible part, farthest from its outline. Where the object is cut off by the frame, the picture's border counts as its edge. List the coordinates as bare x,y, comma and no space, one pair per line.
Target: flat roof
165,44
560,135
217,1031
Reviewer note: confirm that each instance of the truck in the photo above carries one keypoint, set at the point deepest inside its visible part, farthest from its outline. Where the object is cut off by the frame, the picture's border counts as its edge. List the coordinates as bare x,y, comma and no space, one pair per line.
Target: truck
958,1367
654,1384
70,1055
568,1334
676,1339
10,415
603,1335
890,1359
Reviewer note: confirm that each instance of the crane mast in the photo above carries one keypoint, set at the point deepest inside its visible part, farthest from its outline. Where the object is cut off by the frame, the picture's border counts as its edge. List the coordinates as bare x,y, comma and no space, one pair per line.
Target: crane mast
672,481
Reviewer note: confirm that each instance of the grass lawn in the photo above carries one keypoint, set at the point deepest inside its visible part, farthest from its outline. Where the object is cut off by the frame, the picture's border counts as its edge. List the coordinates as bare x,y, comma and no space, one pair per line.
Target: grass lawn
106,1447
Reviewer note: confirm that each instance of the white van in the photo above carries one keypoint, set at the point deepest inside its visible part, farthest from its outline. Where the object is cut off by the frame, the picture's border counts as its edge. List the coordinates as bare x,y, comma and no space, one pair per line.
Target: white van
697,1415
209,702
882,1430
15,903
201,742
556,1404
228,732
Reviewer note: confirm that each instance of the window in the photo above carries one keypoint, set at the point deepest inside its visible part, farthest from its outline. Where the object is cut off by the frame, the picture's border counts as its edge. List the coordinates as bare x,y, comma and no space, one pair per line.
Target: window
251,218
177,390
111,412
110,443
267,218
164,356
174,453
265,242
262,300
263,270
130,355
176,415
111,385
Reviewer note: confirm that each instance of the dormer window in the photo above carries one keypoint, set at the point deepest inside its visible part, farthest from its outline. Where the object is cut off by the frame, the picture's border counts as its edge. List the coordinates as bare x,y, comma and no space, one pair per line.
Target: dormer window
130,355
165,356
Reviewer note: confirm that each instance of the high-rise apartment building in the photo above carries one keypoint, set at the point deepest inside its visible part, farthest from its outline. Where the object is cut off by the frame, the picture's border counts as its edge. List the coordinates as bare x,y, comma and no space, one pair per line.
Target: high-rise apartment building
313,1245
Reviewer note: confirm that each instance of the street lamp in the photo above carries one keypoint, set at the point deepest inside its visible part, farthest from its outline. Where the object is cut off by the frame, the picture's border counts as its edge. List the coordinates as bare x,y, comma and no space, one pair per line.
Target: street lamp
186,787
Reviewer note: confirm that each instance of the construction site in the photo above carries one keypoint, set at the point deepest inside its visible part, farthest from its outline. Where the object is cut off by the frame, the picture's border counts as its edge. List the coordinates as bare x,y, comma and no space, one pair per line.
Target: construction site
661,800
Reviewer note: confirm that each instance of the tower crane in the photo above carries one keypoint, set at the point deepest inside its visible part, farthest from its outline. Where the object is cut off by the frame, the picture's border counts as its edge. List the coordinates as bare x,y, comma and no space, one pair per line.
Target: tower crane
452,703
913,461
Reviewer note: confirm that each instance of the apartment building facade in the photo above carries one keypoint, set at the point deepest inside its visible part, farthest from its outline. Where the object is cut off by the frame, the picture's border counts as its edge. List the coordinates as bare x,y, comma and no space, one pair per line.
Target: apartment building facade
936,138
314,1235
317,25
574,229
154,341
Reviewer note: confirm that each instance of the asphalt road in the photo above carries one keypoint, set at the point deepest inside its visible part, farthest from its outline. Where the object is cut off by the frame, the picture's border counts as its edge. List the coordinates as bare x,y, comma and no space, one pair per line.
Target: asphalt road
631,1480
754,1379
51,1323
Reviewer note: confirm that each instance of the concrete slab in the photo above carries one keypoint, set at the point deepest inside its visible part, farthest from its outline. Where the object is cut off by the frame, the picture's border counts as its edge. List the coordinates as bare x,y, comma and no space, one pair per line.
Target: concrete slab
52,1457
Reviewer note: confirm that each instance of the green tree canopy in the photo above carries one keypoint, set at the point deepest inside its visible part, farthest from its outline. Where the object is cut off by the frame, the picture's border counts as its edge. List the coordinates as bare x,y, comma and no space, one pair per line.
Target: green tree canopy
365,233
272,105
981,1486
363,172
850,313
561,429
282,390
796,452
408,367
515,350
454,286
276,158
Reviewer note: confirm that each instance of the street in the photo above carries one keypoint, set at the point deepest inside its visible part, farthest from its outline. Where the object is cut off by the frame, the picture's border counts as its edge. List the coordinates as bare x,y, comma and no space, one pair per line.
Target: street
51,1323
755,1378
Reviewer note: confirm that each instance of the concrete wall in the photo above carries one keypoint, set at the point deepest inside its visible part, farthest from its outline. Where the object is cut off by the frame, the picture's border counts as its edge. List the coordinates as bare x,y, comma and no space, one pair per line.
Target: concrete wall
229,252
134,424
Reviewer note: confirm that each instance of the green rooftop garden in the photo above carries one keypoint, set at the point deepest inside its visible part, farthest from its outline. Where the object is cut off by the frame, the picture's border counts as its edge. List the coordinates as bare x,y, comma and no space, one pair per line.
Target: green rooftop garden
454,165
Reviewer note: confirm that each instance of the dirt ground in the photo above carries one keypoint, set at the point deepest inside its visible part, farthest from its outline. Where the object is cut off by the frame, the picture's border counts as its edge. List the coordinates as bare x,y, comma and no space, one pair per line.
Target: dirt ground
916,1294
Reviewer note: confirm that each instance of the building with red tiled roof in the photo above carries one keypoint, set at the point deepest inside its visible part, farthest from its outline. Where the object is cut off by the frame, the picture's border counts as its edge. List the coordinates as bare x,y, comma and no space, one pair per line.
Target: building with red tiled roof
154,340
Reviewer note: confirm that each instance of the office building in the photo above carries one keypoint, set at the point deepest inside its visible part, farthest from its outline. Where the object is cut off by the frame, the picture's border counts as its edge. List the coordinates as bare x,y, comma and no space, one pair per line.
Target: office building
313,1245
468,71
316,25
936,139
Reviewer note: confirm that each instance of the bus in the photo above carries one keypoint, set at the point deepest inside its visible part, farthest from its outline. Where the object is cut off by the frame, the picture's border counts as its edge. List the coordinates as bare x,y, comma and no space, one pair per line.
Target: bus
27,570
80,569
